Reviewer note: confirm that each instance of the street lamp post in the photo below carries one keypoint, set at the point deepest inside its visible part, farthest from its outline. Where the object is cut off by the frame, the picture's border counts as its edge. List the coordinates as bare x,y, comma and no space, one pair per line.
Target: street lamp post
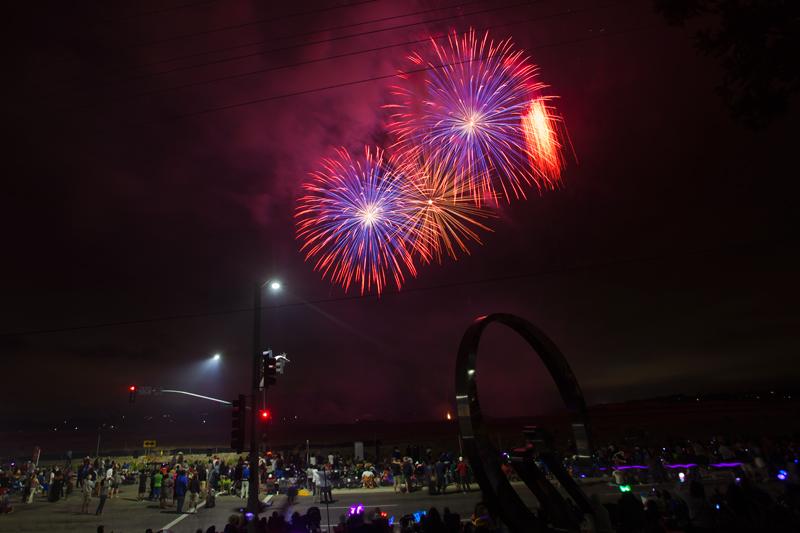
258,374
258,357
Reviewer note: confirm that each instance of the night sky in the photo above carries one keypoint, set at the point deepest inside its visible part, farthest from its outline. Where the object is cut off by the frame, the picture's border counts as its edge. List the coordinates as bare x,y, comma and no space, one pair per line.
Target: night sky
137,189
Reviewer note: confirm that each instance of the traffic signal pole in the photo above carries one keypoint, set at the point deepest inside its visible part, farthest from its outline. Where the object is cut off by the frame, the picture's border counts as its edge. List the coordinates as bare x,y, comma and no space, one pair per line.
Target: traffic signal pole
258,357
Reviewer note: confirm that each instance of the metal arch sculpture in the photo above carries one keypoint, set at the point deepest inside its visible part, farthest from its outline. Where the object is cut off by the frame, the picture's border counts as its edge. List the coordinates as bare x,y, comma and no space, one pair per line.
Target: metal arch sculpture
501,498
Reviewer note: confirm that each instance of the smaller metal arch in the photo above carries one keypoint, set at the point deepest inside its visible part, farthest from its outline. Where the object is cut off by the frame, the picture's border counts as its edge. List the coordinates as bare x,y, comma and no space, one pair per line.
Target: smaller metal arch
483,457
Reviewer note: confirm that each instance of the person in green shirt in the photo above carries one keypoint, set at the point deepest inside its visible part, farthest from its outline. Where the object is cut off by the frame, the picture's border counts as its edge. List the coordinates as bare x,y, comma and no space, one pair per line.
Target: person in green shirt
157,479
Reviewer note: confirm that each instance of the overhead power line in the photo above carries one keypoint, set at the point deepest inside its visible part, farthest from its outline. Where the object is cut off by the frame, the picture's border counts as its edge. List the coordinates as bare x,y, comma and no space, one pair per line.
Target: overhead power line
374,78
225,28
158,11
237,75
286,48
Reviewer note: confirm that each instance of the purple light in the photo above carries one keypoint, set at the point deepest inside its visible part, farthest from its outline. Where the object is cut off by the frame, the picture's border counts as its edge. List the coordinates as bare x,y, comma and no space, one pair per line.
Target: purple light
356,509
684,466
783,475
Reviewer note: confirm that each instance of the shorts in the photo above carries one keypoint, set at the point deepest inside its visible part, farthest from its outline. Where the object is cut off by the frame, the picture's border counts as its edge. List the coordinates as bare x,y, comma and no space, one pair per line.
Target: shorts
398,480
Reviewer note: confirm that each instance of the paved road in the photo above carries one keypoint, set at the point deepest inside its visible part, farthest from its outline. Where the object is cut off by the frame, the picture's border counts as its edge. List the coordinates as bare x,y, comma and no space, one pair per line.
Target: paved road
125,515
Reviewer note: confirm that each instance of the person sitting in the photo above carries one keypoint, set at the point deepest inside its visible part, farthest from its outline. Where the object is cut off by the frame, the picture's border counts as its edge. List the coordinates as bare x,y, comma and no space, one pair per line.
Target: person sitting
368,479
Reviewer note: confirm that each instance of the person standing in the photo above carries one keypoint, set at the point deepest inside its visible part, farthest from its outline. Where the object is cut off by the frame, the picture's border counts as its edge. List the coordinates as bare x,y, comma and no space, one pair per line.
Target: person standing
397,473
202,476
181,487
87,489
408,472
245,481
34,487
463,475
104,483
441,476
194,491
166,490
116,481
142,484
158,479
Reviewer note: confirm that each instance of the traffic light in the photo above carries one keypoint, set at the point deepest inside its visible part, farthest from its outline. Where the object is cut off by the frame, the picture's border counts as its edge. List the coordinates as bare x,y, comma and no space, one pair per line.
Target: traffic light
132,393
237,425
265,415
270,369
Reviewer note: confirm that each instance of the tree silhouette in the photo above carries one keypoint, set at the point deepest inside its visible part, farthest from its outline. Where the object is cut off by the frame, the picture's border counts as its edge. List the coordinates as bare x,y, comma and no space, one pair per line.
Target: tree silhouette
756,42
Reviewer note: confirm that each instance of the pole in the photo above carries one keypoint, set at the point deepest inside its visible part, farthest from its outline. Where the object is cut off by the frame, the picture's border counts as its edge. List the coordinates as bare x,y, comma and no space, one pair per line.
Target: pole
327,503
97,450
252,497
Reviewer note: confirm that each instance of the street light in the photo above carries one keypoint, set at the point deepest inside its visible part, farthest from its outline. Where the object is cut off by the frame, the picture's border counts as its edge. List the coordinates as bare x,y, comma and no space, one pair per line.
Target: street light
216,357
255,431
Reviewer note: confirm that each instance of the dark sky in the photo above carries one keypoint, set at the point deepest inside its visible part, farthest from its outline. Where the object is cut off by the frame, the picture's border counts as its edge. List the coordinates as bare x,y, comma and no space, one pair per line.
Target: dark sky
666,263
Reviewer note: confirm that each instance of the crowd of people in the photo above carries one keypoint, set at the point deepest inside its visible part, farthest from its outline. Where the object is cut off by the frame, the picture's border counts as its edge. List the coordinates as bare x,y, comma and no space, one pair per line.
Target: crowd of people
714,485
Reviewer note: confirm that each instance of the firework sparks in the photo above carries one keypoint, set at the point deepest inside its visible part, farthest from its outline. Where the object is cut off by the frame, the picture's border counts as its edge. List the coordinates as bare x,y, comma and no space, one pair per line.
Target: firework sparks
352,222
442,216
473,107
540,127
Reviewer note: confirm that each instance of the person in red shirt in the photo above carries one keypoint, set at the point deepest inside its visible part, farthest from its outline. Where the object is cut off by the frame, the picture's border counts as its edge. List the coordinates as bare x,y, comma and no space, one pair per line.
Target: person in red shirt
463,475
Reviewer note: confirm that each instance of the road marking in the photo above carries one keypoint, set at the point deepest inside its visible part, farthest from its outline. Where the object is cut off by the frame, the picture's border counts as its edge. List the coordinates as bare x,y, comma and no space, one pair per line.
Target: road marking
184,515
181,517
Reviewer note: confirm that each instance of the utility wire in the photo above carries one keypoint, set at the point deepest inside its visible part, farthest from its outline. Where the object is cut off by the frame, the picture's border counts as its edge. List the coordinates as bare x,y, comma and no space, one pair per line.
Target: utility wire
720,250
237,75
286,48
375,78
152,12
235,26
250,23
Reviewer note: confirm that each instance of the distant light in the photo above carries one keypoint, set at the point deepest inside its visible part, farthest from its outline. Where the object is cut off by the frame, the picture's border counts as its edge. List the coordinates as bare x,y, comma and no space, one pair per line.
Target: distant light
783,475
132,388
624,488
716,506
216,357
682,476
471,372
449,416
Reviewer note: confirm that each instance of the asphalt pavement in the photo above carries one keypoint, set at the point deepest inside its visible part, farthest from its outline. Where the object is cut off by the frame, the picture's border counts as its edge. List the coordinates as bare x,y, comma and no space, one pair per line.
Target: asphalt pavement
126,515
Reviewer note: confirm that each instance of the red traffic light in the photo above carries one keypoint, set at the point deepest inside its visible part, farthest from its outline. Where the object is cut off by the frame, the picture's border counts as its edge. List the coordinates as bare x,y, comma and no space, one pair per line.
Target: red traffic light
132,388
265,414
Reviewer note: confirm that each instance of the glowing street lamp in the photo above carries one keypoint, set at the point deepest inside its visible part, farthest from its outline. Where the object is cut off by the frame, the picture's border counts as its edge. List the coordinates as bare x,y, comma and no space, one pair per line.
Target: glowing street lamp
252,499
216,357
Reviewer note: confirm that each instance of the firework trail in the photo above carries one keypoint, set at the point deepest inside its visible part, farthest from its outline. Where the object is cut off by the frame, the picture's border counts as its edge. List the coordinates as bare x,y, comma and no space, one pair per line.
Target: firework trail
442,216
540,126
352,222
473,107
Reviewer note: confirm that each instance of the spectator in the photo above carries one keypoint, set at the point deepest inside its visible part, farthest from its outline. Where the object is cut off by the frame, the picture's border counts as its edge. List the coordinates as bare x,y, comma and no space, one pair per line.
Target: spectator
463,475
103,494
181,487
87,490
194,491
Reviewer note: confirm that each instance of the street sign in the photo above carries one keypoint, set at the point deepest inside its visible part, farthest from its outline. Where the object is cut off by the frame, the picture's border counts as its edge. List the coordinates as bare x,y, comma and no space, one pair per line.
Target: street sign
149,444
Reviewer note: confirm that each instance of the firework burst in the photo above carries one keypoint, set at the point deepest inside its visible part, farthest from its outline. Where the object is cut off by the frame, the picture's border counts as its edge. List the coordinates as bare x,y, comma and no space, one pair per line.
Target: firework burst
352,222
442,217
540,126
472,107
